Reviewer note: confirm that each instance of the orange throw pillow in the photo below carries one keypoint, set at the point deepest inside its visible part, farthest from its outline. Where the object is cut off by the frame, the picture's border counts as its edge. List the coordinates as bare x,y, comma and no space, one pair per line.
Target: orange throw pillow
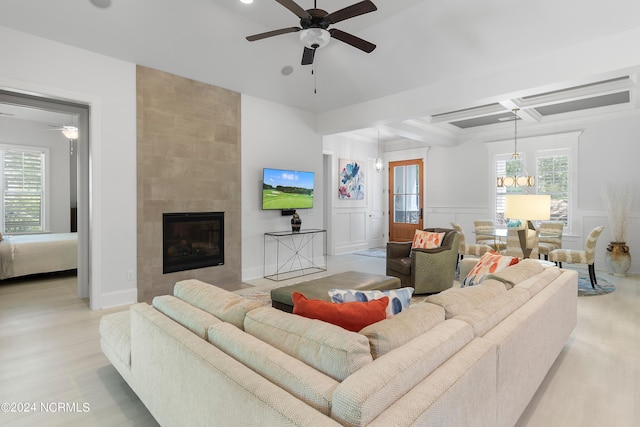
352,316
427,240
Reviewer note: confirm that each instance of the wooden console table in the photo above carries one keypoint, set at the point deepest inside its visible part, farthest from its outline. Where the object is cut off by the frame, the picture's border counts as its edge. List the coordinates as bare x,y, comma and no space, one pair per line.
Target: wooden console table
290,254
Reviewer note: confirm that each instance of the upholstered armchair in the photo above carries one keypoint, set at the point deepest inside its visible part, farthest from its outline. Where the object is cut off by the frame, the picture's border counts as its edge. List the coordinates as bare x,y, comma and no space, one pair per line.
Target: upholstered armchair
426,270
550,237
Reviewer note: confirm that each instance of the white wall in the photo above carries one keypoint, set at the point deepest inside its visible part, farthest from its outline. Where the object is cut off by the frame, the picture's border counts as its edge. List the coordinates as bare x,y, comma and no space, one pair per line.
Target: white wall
355,224
280,137
35,65
33,134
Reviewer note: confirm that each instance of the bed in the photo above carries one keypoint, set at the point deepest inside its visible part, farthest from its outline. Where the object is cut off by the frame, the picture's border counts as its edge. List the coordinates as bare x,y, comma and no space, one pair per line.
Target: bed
28,254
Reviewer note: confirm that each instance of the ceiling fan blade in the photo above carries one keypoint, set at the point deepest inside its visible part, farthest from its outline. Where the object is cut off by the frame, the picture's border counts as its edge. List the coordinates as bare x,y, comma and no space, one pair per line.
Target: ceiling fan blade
272,33
350,11
293,7
354,41
307,56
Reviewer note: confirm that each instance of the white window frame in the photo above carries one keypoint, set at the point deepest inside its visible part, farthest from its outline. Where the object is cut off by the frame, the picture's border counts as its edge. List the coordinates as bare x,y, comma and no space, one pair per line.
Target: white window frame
530,149
45,208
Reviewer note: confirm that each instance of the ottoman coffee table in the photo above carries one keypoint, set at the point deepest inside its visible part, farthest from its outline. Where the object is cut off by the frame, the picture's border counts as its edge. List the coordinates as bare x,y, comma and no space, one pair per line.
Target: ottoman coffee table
319,288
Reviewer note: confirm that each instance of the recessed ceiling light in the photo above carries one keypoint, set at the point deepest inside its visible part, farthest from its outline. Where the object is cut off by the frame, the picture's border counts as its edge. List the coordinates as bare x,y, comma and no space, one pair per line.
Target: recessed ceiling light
286,70
247,1
101,3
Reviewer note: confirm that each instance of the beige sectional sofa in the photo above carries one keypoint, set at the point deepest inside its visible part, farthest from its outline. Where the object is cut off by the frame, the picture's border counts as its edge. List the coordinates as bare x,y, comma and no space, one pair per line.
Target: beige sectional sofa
465,357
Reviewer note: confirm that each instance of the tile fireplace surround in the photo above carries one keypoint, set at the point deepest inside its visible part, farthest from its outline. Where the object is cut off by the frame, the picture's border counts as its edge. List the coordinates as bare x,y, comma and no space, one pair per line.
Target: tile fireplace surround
188,160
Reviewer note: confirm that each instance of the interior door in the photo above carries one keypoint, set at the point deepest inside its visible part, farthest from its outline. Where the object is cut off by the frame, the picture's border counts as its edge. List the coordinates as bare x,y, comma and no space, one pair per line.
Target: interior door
405,199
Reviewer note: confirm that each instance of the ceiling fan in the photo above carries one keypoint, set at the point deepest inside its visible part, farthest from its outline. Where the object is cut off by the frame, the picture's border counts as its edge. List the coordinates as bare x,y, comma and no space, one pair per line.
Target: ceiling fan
314,24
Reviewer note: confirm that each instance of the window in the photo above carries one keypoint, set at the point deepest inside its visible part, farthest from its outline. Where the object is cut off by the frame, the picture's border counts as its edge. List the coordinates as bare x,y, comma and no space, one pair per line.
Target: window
552,175
551,159
23,189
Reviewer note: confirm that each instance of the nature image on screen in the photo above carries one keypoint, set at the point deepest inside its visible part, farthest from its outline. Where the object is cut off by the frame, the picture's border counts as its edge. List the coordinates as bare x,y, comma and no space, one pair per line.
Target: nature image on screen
287,189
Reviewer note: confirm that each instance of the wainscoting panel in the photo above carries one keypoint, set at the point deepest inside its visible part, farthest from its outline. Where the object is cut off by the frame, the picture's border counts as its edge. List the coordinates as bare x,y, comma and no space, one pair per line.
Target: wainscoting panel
350,231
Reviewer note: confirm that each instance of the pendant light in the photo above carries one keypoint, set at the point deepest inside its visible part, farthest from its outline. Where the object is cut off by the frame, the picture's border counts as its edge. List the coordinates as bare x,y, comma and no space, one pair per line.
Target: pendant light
518,180
379,163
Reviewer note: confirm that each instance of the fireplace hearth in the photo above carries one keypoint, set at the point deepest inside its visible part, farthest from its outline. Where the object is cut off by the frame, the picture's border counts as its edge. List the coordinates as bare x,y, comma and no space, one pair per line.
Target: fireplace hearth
192,240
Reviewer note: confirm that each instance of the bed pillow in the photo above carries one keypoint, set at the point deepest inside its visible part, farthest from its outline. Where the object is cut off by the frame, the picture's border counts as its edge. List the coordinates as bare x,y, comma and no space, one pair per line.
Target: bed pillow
399,299
490,262
427,239
352,316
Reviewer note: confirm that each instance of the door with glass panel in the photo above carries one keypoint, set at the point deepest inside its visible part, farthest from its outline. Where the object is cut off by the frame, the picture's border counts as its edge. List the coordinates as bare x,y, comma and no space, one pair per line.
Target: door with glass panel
405,199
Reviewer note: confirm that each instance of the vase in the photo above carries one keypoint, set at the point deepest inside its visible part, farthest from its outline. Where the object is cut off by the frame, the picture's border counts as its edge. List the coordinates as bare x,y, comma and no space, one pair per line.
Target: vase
618,258
296,222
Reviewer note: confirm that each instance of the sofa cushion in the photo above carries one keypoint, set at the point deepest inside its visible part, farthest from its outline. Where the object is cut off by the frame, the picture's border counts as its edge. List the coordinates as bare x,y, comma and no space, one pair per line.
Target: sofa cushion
490,262
458,300
400,265
301,380
223,304
393,332
517,273
192,318
486,316
399,299
359,399
328,348
427,239
352,316
538,282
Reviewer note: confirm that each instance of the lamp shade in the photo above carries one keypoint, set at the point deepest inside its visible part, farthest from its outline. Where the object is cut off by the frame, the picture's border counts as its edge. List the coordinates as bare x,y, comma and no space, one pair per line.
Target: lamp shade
534,207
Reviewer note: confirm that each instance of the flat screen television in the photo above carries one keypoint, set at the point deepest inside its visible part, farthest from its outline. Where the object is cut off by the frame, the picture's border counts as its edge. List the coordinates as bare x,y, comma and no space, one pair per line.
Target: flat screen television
286,190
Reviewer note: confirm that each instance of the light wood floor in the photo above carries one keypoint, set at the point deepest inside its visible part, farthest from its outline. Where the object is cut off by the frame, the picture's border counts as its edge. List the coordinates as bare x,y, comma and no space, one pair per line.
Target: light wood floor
50,353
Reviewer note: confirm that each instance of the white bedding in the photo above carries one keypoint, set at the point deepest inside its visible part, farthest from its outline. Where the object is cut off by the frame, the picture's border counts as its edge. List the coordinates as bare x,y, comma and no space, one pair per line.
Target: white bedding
38,253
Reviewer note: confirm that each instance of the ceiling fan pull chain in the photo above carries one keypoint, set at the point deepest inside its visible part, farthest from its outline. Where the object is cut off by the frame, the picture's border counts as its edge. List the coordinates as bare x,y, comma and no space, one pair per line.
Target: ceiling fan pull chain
315,78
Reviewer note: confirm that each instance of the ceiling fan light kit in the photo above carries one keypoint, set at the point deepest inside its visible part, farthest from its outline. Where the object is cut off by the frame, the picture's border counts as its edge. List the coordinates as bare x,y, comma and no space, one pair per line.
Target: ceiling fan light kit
314,38
314,27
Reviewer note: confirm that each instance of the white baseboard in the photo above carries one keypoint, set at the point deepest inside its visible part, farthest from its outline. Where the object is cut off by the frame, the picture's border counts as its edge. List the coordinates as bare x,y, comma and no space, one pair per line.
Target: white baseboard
115,299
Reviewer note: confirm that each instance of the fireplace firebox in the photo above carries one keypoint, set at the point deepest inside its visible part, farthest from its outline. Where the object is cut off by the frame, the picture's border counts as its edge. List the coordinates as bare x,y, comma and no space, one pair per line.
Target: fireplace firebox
192,240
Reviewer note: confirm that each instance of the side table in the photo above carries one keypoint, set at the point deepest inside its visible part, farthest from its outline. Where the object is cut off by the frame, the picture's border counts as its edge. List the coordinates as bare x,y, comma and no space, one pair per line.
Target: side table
290,254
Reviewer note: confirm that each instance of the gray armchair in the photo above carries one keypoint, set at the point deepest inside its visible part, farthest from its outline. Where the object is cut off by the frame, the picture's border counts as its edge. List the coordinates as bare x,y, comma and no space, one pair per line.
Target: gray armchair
426,270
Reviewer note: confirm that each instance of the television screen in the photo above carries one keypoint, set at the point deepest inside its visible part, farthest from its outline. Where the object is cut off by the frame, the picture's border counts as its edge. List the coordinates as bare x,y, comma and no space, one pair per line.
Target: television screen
287,189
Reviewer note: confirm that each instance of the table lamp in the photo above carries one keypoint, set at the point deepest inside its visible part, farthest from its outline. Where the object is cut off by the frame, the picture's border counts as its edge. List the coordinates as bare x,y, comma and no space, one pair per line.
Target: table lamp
529,207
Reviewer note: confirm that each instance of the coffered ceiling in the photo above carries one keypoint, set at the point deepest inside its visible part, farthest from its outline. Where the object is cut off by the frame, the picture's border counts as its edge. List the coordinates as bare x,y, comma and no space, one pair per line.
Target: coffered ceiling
420,43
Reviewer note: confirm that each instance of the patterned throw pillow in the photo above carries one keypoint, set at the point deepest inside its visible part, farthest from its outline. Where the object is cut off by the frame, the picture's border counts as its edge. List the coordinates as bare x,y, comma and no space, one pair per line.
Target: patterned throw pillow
399,299
427,240
491,262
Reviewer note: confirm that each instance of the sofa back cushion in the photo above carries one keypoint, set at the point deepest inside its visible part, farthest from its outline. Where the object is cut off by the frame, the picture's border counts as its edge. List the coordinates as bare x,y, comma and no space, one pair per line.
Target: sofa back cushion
459,300
515,274
223,304
540,281
301,380
395,331
192,318
486,316
328,348
359,399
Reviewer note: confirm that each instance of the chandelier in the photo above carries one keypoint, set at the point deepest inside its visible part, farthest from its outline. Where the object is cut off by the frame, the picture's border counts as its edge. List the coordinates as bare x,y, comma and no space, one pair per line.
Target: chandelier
517,180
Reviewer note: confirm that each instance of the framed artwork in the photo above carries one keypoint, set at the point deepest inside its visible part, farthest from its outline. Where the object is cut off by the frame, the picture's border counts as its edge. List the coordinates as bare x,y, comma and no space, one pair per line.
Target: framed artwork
351,180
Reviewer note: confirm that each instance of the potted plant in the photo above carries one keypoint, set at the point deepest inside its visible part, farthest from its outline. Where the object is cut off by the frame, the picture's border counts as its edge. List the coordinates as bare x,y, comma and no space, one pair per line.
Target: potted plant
618,200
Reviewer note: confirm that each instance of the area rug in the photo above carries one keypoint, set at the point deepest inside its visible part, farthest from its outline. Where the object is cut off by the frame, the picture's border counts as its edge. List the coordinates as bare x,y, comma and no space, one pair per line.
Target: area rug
602,288
373,252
